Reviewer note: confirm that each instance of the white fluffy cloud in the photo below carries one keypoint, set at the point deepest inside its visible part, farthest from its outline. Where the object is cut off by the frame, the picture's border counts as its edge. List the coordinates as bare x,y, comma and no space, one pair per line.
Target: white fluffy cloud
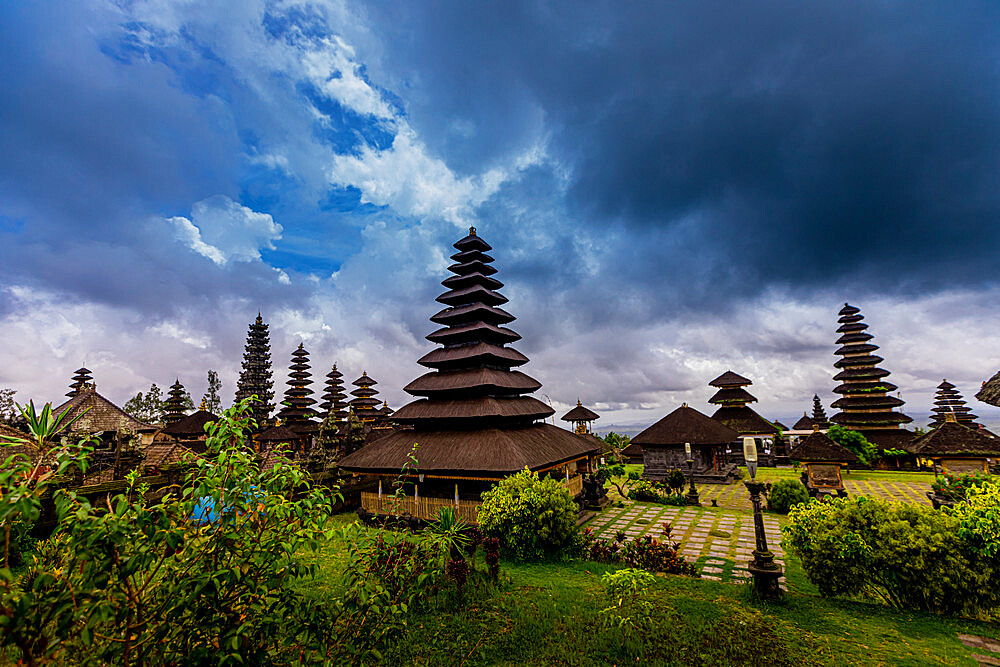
225,231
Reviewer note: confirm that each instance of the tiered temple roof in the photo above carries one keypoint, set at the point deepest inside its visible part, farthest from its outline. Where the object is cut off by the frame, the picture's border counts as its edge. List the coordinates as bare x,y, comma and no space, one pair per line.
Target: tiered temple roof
865,404
473,417
255,378
81,379
734,410
364,403
952,438
297,412
949,401
819,414
334,400
173,408
990,391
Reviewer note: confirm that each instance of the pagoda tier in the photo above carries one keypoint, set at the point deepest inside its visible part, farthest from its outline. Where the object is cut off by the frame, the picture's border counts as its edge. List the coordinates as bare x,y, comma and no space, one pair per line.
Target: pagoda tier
296,413
81,379
472,418
864,404
734,410
255,376
334,400
949,401
174,408
365,405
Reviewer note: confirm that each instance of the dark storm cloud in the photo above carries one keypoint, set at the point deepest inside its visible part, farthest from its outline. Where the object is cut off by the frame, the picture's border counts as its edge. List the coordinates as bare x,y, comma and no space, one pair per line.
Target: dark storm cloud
722,147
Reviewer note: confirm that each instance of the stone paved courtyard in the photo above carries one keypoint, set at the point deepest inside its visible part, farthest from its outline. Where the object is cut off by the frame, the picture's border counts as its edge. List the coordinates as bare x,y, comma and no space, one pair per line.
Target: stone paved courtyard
735,495
718,542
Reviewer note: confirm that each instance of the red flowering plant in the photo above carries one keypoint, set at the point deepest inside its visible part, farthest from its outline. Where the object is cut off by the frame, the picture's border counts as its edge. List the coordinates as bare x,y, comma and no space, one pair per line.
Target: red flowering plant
956,487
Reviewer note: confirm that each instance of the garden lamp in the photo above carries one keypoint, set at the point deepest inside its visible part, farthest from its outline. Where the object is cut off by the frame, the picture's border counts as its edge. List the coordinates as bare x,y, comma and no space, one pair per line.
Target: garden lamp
687,450
750,455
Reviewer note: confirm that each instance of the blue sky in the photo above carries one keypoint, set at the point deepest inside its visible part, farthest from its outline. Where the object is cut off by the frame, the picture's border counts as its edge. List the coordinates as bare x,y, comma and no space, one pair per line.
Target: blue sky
672,191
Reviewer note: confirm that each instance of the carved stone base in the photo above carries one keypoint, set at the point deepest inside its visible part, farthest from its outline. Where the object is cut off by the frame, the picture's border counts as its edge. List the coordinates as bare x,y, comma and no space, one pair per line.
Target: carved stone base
765,573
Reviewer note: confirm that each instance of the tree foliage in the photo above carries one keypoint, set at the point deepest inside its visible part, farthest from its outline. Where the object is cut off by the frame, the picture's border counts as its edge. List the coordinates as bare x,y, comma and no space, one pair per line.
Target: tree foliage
148,407
212,398
854,441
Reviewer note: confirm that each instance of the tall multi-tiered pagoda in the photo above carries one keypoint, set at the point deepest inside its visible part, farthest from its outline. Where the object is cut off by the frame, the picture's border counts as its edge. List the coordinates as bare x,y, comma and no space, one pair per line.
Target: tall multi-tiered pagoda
174,408
949,401
364,403
734,409
334,400
82,378
255,378
819,413
296,412
865,404
473,422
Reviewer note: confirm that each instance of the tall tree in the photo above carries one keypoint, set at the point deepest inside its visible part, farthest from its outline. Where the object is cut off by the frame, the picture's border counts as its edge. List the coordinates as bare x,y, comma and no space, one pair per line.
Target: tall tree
148,407
211,399
7,409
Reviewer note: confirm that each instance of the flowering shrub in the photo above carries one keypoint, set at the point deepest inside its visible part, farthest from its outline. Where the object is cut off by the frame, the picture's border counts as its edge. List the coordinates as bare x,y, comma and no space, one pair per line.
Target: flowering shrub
646,552
956,487
909,556
531,517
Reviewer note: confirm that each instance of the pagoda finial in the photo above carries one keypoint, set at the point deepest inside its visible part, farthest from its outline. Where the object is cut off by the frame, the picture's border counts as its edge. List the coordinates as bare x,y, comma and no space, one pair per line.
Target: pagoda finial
578,403
204,404
472,231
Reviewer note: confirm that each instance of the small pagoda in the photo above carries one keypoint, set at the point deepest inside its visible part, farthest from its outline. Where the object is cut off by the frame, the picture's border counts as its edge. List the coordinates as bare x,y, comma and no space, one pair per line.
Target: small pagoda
296,412
473,422
663,447
865,404
334,399
819,413
734,409
581,418
255,376
949,401
175,408
365,405
82,378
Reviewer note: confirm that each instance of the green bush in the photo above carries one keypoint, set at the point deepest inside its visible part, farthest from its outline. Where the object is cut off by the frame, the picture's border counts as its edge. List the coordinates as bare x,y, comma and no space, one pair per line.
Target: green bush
909,556
532,518
978,518
956,487
785,494
854,441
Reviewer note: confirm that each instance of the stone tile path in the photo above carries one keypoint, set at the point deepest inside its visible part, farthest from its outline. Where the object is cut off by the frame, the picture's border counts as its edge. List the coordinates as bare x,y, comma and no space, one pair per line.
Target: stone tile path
719,543
735,496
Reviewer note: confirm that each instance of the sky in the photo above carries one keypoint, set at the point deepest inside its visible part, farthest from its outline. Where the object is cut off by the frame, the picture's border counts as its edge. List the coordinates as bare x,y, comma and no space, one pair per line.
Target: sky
671,189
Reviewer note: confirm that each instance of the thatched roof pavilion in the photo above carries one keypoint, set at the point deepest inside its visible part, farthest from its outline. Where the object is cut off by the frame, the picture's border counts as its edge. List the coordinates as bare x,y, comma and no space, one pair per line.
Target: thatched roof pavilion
820,448
99,415
473,419
990,392
663,445
580,417
956,440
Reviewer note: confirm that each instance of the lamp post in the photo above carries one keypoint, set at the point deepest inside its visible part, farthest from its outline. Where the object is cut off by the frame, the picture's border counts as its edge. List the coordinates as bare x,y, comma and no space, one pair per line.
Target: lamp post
692,494
764,570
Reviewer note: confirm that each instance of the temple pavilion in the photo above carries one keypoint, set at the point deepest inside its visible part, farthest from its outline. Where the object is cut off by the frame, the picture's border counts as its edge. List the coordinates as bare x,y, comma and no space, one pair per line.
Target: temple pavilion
949,401
663,446
865,404
823,459
957,448
473,421
581,418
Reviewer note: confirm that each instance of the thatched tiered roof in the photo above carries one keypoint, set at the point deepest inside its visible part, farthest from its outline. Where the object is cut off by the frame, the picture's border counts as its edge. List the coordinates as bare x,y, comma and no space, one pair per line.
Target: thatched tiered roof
580,414
955,439
334,400
82,378
820,448
864,404
473,417
949,401
99,415
297,411
365,405
990,392
255,375
685,424
190,427
734,410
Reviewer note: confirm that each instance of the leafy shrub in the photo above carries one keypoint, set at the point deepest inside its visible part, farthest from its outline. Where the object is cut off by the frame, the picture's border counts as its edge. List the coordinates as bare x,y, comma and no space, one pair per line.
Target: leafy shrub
676,480
785,494
854,441
910,556
648,491
646,552
978,517
956,487
533,518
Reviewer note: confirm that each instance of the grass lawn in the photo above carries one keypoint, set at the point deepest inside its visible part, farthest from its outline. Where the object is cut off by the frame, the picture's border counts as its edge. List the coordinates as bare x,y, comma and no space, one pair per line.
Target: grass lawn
550,613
